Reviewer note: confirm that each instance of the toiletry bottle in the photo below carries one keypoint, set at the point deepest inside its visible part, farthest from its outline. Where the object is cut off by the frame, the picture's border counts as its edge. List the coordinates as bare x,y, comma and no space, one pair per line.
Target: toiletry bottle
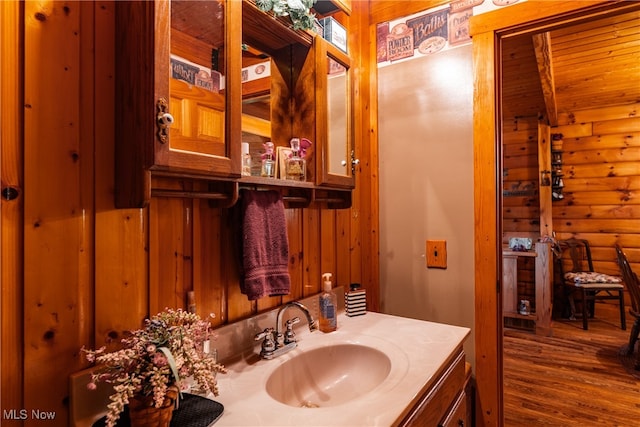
246,159
328,306
296,166
355,301
268,163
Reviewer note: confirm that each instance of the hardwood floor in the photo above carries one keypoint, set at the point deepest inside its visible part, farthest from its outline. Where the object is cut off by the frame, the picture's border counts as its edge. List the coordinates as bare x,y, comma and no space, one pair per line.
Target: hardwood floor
574,378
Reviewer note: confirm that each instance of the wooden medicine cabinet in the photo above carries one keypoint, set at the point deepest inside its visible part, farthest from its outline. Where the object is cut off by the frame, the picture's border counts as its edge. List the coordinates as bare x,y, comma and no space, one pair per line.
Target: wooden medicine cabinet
182,109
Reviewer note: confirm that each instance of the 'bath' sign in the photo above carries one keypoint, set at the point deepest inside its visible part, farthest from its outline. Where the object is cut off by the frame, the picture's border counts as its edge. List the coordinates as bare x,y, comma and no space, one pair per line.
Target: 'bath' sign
430,25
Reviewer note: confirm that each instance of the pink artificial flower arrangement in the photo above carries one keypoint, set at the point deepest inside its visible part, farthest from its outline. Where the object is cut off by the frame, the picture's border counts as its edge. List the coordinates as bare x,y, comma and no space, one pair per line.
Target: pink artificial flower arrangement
165,352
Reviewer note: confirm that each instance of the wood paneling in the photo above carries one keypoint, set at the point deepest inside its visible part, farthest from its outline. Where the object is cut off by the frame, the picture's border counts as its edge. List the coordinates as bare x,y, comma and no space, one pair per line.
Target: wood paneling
364,213
91,271
387,10
121,270
602,176
59,208
520,202
598,121
11,224
594,62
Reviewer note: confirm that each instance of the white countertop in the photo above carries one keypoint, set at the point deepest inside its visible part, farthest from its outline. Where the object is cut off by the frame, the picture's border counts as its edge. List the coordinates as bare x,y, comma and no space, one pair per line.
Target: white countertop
417,349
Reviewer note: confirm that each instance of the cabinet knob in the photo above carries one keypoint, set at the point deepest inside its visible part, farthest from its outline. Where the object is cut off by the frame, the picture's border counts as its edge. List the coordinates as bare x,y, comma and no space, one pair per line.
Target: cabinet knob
354,162
163,120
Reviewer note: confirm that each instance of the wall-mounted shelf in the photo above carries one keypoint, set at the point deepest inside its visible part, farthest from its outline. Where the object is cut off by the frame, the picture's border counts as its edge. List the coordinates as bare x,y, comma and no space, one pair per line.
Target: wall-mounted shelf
268,33
224,193
328,7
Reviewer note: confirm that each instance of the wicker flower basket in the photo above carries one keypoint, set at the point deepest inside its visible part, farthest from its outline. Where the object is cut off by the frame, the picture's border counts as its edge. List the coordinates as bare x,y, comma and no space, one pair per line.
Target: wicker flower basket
143,413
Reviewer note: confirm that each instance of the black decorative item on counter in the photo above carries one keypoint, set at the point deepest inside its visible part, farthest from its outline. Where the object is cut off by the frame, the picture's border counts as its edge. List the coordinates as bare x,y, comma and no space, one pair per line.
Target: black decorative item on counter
193,411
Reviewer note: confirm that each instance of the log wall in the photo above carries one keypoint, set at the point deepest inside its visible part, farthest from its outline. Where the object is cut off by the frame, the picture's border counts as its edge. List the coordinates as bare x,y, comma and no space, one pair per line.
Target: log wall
90,271
521,193
601,163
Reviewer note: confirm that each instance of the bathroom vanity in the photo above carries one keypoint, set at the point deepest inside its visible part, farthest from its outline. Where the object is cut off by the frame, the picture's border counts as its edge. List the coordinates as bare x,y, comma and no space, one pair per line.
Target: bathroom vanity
375,370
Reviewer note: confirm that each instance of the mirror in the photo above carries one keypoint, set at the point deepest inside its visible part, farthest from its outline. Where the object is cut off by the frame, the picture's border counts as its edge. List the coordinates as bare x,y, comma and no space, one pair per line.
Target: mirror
197,83
338,116
272,59
335,159
256,104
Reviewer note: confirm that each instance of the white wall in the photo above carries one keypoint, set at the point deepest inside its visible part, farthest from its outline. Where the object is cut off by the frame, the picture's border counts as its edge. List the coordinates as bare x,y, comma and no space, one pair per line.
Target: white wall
426,187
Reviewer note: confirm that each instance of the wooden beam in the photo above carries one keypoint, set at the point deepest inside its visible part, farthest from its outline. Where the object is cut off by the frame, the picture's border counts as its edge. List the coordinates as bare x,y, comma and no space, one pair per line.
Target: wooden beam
544,166
544,58
488,303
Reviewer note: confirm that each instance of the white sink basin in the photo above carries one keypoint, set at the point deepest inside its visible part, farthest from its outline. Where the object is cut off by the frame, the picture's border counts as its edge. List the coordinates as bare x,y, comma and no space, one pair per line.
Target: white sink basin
365,373
328,376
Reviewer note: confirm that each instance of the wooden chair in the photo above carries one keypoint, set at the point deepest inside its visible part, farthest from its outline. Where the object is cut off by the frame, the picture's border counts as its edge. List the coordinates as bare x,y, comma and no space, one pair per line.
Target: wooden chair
633,287
582,280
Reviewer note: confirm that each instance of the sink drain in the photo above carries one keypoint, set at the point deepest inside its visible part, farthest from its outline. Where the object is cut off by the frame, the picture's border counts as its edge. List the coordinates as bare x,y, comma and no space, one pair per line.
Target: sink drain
308,404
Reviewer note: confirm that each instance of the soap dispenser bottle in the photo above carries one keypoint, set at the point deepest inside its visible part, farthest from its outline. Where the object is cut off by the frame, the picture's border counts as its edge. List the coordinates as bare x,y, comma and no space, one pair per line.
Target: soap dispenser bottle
328,306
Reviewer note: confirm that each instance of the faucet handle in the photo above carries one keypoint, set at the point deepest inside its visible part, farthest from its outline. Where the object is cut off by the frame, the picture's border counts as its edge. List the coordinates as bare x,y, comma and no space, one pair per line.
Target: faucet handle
264,334
289,335
269,343
292,322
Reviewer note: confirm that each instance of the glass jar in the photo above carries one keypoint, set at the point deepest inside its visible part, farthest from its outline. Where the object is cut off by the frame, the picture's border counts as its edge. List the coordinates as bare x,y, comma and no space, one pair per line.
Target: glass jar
296,166
246,160
268,168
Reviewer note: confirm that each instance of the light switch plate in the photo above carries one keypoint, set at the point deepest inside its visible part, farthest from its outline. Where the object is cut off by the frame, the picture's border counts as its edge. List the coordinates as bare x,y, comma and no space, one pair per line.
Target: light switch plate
436,254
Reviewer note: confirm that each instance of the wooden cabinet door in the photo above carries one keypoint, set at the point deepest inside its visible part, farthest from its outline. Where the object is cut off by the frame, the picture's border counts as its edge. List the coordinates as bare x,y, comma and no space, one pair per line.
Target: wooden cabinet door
457,414
177,93
336,161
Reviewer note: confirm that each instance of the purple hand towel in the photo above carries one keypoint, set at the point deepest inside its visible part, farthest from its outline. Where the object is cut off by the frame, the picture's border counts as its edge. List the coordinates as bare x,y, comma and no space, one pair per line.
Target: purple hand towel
265,247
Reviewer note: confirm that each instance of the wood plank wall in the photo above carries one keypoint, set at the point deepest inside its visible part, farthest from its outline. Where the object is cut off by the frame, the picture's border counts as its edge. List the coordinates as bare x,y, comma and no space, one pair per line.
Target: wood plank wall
90,271
601,162
11,170
521,107
600,165
521,195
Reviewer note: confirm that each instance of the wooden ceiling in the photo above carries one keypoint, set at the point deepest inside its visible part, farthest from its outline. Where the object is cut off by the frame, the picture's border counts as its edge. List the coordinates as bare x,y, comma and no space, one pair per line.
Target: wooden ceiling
582,66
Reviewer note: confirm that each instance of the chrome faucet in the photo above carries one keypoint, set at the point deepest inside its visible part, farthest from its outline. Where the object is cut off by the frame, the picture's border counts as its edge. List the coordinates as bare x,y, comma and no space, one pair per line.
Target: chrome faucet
276,342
